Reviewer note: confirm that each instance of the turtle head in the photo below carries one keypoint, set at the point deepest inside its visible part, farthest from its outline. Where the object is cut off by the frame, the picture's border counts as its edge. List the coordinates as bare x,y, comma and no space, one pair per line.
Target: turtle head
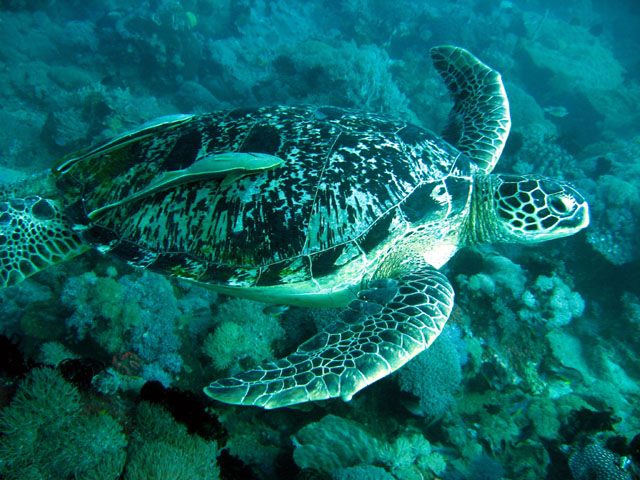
530,208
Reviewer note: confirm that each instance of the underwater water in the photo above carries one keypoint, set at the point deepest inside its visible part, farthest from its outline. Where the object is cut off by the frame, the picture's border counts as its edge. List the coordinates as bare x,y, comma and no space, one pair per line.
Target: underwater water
536,374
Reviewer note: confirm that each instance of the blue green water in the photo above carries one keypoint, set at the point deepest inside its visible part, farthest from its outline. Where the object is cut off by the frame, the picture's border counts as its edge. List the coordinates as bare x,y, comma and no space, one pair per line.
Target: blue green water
536,375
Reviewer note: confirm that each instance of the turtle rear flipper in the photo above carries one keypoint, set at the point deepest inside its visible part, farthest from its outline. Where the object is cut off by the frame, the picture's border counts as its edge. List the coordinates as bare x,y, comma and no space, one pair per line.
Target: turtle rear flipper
33,235
386,326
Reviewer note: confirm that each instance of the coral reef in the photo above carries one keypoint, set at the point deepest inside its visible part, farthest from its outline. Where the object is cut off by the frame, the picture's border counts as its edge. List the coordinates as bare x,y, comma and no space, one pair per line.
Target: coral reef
615,200
336,445
244,334
343,73
160,448
561,305
51,431
550,388
136,313
595,462
516,300
53,353
435,375
577,58
47,434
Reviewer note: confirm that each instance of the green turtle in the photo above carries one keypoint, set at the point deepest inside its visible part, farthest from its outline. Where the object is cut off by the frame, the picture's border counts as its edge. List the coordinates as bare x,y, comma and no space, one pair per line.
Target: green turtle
301,205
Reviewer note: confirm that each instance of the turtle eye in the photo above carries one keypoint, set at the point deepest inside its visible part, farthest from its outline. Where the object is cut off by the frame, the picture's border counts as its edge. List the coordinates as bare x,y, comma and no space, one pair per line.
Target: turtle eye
560,205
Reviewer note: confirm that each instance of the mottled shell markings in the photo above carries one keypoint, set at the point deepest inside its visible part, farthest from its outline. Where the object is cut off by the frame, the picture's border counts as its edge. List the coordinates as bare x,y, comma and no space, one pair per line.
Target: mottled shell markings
348,182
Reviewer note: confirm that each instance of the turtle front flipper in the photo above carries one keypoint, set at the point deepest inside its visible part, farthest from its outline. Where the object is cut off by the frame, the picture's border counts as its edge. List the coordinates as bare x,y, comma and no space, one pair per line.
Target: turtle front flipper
33,235
479,122
389,323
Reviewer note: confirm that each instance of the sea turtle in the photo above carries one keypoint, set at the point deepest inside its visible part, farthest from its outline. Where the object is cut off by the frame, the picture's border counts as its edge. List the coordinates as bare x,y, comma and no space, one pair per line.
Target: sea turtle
301,205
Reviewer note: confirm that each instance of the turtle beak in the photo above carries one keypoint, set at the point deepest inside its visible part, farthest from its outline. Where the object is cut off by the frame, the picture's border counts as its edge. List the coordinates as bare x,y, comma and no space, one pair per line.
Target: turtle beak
570,209
580,218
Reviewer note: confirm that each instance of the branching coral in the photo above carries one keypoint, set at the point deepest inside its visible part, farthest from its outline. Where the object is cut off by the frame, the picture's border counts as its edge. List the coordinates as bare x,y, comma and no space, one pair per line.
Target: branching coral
504,283
46,434
335,444
161,449
142,314
615,203
353,75
244,332
435,375
552,300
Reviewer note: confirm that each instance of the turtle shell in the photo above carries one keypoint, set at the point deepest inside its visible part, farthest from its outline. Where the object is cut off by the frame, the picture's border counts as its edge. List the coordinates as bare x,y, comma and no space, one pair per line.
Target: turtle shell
348,181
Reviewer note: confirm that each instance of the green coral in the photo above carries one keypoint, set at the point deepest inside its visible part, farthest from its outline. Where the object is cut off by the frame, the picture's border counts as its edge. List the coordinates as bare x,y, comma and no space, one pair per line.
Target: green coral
161,449
335,444
53,353
47,435
244,332
225,344
412,457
